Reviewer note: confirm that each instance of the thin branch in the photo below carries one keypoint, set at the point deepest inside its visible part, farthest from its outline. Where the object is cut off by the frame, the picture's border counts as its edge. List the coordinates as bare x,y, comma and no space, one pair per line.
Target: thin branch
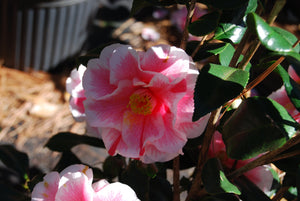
279,4
185,34
280,193
176,179
239,49
199,45
265,159
210,130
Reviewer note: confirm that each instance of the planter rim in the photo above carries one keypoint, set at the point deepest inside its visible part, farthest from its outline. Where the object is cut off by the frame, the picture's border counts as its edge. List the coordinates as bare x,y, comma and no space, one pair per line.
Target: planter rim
47,3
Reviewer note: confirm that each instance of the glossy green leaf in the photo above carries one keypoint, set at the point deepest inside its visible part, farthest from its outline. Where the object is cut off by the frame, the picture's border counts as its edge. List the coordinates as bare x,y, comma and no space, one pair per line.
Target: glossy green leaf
221,4
67,158
232,26
205,24
214,179
269,37
66,141
215,86
206,50
289,37
14,159
229,32
226,56
258,125
292,88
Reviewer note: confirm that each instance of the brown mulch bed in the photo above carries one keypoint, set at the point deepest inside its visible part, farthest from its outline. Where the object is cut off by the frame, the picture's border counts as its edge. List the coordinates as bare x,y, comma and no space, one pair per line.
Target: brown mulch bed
32,110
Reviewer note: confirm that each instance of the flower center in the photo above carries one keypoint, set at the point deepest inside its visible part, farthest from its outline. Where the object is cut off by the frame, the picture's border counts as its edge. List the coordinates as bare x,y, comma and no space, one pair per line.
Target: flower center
142,102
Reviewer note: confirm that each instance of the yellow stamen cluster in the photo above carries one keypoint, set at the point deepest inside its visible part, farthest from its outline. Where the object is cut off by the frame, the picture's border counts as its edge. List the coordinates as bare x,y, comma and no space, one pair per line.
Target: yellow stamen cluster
141,103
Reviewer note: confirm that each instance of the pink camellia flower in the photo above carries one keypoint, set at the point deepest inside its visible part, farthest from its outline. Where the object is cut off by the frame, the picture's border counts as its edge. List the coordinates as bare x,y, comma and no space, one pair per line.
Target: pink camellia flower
75,184
75,89
178,17
282,98
261,176
142,101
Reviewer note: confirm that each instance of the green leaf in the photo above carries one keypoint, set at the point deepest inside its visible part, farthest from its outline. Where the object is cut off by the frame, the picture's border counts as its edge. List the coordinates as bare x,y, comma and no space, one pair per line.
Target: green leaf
215,86
232,22
221,4
258,125
67,158
231,32
289,37
292,88
269,37
206,50
66,141
14,159
205,24
226,55
214,179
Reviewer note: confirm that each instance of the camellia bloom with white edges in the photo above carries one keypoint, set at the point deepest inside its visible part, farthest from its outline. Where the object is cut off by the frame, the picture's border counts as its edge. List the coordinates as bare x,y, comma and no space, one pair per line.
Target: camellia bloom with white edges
75,184
142,101
75,89
261,176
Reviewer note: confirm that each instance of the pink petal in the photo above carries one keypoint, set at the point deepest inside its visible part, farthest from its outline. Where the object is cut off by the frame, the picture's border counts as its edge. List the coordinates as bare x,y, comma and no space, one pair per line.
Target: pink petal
114,144
293,74
116,192
97,186
74,187
185,114
262,177
96,80
139,130
170,61
124,64
74,82
77,108
106,54
46,190
172,140
108,112
154,155
78,168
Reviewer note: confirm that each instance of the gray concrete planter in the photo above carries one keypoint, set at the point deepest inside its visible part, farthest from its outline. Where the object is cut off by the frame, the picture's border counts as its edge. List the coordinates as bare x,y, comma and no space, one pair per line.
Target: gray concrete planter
40,34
